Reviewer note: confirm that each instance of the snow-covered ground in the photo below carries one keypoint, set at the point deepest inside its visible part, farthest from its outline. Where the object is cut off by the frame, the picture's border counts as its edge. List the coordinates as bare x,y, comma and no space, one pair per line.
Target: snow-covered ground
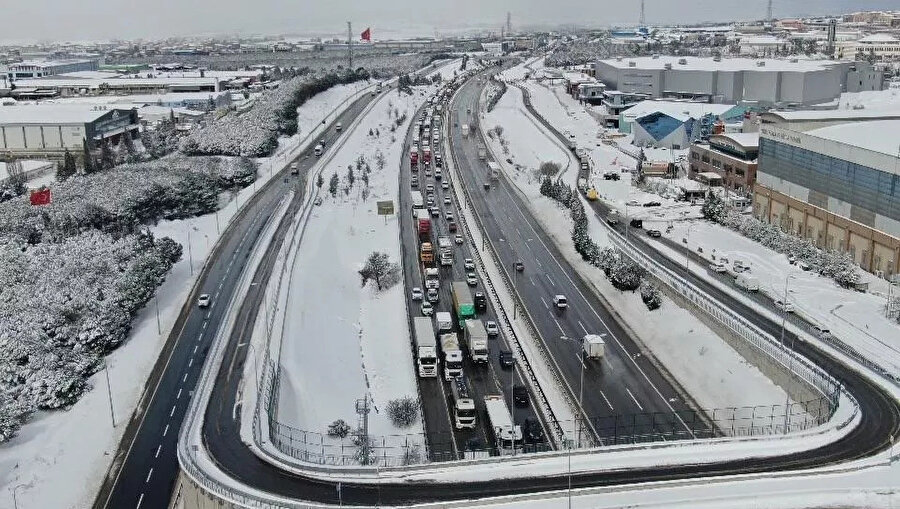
57,471
677,338
856,318
343,342
871,100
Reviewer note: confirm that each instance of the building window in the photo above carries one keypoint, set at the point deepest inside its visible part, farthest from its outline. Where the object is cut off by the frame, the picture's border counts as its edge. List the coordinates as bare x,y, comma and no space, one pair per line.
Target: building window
695,156
739,172
705,158
717,164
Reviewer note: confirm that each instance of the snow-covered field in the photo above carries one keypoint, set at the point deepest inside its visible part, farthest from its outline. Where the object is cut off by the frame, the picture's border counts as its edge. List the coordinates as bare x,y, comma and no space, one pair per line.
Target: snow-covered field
343,342
678,339
57,471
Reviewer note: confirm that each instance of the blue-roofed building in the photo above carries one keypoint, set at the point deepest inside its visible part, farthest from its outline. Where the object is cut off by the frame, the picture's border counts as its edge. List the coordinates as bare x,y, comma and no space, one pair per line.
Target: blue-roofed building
675,124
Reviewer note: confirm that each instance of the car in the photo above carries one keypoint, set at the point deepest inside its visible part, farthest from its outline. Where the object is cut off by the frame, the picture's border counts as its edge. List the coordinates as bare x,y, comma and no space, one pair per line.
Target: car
633,203
432,295
486,185
414,183
718,267
430,201
520,266
532,432
416,293
447,200
449,215
451,226
652,204
506,359
427,308
458,239
785,306
654,233
792,259
203,300
480,302
804,266
520,395
468,264
429,188
427,170
295,170
560,301
821,332
338,127
472,279
445,184
322,142
492,329
636,223
435,212
437,172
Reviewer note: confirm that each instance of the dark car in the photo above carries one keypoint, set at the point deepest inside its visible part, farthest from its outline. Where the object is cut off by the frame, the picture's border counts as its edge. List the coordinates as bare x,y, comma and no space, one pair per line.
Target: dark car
520,395
652,204
532,432
451,226
506,359
654,233
520,266
636,223
480,302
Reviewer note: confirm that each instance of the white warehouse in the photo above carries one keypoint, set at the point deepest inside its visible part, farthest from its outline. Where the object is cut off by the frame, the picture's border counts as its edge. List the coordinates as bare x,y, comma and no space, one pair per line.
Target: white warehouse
767,82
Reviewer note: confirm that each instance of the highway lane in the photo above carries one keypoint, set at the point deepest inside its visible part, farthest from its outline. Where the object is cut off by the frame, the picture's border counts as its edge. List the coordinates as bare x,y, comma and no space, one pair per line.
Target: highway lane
625,392
147,456
880,420
482,380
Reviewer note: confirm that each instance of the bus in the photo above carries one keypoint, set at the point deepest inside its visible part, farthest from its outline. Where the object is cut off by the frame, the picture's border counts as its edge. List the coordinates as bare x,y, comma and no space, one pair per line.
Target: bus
507,436
463,404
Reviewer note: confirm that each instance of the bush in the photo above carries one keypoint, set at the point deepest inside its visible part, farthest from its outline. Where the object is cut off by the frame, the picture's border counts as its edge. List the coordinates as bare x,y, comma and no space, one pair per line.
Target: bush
650,295
403,412
549,169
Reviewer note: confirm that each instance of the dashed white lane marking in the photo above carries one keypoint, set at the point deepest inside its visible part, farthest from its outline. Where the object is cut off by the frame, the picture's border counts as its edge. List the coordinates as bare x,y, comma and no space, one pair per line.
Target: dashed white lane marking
165,431
607,401
148,475
158,448
140,499
634,399
178,396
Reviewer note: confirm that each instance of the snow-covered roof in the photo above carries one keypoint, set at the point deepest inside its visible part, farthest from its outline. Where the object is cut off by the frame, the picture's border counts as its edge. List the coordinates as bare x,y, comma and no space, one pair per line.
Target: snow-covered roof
676,109
61,81
880,37
746,140
877,135
53,114
823,115
761,39
725,64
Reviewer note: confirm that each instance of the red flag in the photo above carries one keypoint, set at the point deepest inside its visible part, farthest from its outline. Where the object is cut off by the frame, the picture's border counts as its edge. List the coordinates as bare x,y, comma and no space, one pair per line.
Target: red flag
41,196
366,35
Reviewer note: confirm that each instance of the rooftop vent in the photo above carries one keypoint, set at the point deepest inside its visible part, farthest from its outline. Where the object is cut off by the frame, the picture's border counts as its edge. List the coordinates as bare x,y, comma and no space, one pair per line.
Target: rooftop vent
761,63
668,66
682,61
632,64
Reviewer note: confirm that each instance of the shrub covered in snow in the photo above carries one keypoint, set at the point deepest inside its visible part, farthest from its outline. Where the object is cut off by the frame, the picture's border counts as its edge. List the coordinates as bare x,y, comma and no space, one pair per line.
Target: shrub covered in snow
495,91
255,132
650,295
403,411
338,429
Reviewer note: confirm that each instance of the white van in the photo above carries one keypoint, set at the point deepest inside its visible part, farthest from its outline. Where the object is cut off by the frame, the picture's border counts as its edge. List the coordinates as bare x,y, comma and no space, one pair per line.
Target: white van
821,331
318,150
747,282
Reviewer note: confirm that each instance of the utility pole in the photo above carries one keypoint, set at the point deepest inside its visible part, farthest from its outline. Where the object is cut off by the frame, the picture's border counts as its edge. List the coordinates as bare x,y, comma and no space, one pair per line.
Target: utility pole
350,45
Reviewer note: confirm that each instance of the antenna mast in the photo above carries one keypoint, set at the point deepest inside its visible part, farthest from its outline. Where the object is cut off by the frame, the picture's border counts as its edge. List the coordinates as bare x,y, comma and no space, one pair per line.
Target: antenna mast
769,11
350,45
643,20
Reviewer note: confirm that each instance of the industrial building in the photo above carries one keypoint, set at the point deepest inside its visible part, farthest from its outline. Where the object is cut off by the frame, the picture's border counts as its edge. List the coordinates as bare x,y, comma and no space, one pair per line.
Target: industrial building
834,177
48,130
882,47
675,124
766,83
39,69
731,156
60,86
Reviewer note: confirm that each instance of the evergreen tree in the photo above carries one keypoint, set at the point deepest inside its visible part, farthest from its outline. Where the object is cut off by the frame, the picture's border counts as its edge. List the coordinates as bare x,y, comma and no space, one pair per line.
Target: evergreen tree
319,181
546,187
107,158
68,167
333,185
88,158
350,177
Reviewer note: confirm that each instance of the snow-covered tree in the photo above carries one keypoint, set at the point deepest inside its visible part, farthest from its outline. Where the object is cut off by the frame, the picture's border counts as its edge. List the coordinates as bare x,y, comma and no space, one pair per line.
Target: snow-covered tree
650,295
403,412
379,268
333,184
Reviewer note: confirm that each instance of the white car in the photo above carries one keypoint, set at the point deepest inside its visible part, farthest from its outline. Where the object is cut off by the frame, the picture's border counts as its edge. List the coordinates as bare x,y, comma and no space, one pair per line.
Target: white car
429,188
491,327
447,200
472,279
458,239
203,301
338,127
718,267
417,293
560,301
445,184
468,264
449,215
427,308
787,307
821,332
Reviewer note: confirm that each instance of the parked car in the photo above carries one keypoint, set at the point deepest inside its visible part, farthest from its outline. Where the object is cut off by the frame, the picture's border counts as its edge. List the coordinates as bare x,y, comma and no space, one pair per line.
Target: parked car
416,293
468,264
491,327
203,301
785,306
520,395
821,332
471,279
427,308
718,266
506,359
652,204
653,232
458,239
560,301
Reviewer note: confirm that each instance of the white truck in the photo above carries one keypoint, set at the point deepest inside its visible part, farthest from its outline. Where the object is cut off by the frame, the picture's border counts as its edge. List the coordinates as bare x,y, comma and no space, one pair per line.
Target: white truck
477,340
463,404
444,321
493,170
508,437
426,347
446,249
465,130
747,282
432,278
594,346
452,356
417,201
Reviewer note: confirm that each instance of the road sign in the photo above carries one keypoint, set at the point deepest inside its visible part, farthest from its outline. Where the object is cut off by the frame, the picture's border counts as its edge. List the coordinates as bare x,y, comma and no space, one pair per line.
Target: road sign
386,208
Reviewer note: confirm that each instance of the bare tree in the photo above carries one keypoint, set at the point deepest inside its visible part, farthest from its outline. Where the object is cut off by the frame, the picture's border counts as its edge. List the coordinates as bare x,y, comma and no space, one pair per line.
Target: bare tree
379,268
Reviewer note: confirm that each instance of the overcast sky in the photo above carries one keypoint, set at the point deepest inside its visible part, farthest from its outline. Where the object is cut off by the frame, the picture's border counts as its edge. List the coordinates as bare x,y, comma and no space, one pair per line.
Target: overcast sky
44,20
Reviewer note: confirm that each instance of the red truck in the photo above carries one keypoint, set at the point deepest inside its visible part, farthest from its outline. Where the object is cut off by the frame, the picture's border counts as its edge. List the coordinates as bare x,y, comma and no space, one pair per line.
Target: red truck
423,223
414,156
426,154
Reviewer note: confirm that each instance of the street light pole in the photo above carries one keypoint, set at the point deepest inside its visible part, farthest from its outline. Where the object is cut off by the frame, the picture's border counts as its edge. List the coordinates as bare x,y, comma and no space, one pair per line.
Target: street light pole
687,248
512,404
112,415
784,303
190,254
